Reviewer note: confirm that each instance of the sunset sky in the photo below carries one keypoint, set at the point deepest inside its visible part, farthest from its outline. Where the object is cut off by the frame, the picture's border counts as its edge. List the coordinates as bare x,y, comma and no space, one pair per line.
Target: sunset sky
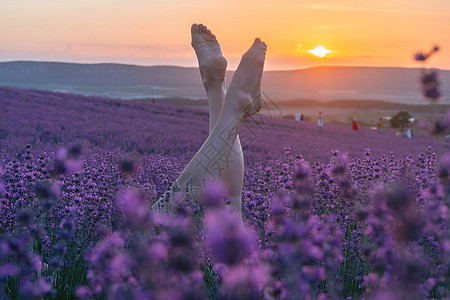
157,32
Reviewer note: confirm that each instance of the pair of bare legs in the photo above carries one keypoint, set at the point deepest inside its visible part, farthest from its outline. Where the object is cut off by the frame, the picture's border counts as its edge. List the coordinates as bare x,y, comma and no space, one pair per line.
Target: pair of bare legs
220,156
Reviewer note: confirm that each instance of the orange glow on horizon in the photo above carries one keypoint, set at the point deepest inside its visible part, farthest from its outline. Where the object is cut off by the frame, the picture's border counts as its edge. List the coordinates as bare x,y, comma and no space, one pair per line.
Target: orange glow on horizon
383,33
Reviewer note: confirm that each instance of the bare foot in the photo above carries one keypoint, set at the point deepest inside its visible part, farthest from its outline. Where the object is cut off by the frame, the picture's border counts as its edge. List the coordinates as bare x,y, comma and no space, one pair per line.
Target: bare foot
210,59
245,87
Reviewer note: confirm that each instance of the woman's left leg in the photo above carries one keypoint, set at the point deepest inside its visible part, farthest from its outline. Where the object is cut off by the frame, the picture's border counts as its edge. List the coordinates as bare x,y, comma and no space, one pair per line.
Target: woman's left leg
212,67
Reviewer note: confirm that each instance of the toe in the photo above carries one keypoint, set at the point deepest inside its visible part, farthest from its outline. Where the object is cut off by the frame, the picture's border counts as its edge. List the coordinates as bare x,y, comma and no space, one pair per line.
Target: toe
194,28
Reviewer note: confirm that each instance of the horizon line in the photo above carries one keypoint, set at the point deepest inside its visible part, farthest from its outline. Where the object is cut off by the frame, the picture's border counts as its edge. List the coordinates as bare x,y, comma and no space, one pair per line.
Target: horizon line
231,70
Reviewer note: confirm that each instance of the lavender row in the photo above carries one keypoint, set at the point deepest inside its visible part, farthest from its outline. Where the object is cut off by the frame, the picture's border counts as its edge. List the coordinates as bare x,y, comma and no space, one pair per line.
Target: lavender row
49,120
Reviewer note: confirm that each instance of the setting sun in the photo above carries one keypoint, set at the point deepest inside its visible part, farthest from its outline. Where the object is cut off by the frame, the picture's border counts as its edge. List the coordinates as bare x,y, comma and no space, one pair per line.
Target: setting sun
359,33
319,51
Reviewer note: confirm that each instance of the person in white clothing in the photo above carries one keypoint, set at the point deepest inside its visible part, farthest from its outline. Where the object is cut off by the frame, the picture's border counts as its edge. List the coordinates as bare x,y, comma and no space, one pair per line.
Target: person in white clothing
320,122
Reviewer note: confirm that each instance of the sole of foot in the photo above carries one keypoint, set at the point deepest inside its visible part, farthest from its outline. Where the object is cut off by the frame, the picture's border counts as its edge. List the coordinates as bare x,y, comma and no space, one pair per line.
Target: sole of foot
245,87
210,59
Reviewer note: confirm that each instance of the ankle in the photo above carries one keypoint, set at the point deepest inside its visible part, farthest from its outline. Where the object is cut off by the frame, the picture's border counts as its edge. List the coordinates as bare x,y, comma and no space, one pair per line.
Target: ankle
212,84
232,110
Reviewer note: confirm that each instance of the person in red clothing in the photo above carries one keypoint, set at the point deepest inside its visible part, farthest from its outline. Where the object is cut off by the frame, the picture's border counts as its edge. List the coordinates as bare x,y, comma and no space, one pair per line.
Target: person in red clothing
354,124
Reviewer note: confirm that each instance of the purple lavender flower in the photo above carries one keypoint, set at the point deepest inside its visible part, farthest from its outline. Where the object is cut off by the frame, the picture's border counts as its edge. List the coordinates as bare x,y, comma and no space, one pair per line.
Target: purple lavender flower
419,56
215,194
230,242
128,166
432,92
430,77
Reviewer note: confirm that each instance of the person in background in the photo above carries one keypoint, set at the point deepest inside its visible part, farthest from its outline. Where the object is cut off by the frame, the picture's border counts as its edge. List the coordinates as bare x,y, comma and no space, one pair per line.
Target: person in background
380,125
320,122
354,124
408,131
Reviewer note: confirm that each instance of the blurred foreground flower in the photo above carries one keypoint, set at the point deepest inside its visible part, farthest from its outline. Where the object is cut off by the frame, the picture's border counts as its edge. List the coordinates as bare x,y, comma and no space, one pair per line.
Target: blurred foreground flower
422,56
436,127
230,242
429,80
430,85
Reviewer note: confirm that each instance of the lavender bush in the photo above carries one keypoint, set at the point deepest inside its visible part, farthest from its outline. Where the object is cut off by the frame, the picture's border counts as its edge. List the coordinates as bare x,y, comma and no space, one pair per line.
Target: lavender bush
359,223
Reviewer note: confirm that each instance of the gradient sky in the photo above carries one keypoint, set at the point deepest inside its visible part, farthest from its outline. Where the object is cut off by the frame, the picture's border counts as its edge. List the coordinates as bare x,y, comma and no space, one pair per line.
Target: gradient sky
157,32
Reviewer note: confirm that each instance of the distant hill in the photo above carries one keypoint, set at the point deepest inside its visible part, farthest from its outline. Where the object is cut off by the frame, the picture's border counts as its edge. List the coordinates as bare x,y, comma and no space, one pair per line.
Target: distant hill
130,81
331,83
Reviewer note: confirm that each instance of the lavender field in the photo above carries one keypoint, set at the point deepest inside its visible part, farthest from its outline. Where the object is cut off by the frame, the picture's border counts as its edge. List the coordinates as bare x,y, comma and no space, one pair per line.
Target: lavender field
340,214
